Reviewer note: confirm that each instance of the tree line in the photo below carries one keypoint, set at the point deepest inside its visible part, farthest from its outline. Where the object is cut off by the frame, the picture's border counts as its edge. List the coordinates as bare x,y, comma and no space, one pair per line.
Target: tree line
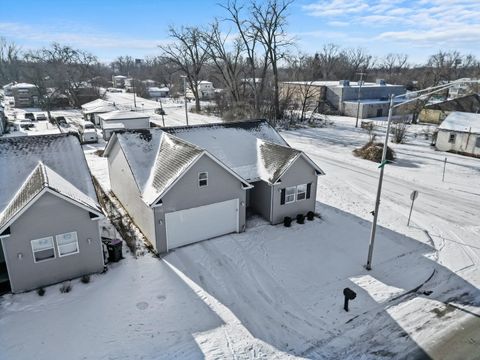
247,53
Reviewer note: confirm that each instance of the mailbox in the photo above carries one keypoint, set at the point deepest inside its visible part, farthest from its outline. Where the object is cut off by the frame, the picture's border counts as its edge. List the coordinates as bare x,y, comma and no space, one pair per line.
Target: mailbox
349,295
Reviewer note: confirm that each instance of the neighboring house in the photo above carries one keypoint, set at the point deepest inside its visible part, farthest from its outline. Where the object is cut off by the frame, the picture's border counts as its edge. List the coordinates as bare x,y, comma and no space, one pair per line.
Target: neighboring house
122,119
25,95
49,212
92,109
7,89
438,111
187,184
149,83
156,92
344,95
460,132
206,91
3,121
118,81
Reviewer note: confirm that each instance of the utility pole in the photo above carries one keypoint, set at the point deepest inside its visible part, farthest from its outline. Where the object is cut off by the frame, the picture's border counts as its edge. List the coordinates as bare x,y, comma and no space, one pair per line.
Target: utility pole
185,95
444,167
360,83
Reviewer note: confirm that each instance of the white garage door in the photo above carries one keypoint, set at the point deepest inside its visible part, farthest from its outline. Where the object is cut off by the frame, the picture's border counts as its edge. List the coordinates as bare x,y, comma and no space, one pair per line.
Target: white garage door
200,223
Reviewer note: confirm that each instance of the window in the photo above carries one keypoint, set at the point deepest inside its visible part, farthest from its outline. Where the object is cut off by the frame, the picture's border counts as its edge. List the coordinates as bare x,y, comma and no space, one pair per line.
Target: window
43,249
290,194
301,192
477,142
67,244
451,138
202,179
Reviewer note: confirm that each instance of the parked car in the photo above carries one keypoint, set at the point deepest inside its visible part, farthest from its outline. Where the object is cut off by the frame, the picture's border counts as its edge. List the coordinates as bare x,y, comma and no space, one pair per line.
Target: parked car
60,120
26,124
88,133
29,116
41,117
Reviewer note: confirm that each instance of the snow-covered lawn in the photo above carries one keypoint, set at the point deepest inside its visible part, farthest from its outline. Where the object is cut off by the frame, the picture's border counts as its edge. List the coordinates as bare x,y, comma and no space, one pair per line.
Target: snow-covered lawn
276,292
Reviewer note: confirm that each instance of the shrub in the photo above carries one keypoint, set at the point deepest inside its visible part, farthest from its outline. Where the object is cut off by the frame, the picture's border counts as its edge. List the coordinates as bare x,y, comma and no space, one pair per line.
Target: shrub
66,287
41,291
300,218
85,279
373,152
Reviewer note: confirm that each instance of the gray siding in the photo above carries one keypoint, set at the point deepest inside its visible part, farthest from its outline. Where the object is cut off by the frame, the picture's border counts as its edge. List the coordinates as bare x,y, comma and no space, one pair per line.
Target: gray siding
50,216
186,194
125,189
261,198
464,142
301,172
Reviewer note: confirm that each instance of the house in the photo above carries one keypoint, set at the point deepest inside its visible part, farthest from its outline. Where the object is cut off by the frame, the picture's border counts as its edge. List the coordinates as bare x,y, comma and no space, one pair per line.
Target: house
206,91
182,185
371,99
122,119
49,212
7,89
436,112
149,83
118,81
92,109
3,121
460,132
156,92
25,95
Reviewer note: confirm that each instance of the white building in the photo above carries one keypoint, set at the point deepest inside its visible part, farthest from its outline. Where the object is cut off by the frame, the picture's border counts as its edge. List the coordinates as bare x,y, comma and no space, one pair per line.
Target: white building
122,119
206,90
158,92
460,132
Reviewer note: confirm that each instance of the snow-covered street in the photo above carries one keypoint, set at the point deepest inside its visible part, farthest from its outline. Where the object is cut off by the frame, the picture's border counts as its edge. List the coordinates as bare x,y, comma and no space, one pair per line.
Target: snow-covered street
276,292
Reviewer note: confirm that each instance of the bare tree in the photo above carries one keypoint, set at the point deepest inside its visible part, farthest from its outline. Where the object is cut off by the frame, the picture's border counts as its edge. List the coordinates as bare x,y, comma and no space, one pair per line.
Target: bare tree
188,54
269,20
9,61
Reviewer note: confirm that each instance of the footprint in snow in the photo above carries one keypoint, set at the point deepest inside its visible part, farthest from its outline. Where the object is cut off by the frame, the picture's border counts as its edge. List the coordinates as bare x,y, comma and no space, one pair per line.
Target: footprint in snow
142,305
161,297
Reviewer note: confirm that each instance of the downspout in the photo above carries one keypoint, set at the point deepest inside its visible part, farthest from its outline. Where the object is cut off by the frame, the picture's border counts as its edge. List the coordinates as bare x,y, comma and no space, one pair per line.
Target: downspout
272,194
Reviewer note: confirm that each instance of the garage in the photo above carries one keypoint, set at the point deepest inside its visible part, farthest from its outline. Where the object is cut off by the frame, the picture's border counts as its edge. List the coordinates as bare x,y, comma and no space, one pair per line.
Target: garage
200,223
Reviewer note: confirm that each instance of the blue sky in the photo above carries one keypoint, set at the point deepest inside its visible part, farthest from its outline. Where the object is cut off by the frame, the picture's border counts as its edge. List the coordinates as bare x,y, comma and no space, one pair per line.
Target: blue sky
110,28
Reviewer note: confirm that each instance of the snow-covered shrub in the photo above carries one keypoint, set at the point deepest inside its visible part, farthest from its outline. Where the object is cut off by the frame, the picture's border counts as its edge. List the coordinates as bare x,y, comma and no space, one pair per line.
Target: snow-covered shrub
373,152
66,287
41,291
85,279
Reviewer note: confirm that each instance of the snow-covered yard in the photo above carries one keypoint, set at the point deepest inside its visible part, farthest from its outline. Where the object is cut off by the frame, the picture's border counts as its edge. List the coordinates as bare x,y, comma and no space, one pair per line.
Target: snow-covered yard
276,292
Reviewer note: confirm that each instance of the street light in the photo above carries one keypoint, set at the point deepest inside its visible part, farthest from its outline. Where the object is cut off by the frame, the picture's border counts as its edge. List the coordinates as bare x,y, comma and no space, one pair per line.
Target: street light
185,95
421,94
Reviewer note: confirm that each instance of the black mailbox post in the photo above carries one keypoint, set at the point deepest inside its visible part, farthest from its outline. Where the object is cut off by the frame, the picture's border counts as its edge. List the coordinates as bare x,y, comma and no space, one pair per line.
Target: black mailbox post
349,295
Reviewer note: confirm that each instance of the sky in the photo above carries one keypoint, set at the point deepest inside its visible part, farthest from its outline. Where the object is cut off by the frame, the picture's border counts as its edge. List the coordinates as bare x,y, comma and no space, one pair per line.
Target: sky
111,28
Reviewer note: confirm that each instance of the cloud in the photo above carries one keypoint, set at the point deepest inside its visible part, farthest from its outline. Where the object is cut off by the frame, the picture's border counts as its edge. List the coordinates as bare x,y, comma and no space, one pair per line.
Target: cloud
335,7
86,39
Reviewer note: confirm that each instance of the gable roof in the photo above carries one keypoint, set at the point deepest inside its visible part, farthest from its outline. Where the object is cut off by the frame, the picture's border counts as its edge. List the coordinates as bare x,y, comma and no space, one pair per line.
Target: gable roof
158,160
40,180
461,122
19,156
253,149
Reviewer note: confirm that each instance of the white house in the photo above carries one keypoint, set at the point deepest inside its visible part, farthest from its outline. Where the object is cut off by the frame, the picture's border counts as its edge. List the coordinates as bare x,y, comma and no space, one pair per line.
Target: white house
92,109
205,90
122,119
460,132
158,92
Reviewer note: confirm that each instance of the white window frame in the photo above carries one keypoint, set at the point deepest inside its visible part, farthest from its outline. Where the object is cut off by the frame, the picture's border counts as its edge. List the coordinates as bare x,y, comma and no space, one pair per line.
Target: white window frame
450,141
294,189
33,250
59,246
205,179
304,192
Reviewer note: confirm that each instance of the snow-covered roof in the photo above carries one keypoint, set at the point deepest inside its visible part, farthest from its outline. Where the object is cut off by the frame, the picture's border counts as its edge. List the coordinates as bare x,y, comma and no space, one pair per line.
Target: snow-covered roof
461,122
96,103
43,178
61,153
22,86
119,77
154,88
337,84
253,149
113,125
123,115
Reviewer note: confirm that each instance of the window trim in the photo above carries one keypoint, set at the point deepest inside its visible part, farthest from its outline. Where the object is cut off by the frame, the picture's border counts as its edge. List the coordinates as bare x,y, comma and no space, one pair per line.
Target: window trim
206,179
58,245
450,137
294,194
53,248
304,192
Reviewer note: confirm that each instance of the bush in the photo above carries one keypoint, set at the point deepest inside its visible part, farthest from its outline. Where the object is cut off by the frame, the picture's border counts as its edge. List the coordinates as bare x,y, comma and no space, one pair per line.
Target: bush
41,291
66,287
310,215
287,221
85,279
373,152
300,218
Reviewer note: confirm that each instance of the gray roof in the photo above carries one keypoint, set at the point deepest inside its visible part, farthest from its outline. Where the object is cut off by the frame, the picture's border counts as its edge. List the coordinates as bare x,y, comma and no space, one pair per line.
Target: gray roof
253,149
461,122
42,177
19,156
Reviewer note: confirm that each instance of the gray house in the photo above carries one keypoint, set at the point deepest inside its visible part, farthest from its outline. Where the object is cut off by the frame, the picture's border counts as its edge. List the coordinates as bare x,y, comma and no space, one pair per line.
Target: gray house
186,184
49,212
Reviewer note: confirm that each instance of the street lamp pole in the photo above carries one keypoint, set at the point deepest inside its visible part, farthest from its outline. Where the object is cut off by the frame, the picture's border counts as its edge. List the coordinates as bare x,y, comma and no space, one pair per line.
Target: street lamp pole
185,95
360,83
422,94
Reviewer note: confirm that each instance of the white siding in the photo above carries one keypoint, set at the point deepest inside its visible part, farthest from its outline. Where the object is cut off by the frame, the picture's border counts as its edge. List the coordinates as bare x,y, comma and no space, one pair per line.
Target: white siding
464,142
